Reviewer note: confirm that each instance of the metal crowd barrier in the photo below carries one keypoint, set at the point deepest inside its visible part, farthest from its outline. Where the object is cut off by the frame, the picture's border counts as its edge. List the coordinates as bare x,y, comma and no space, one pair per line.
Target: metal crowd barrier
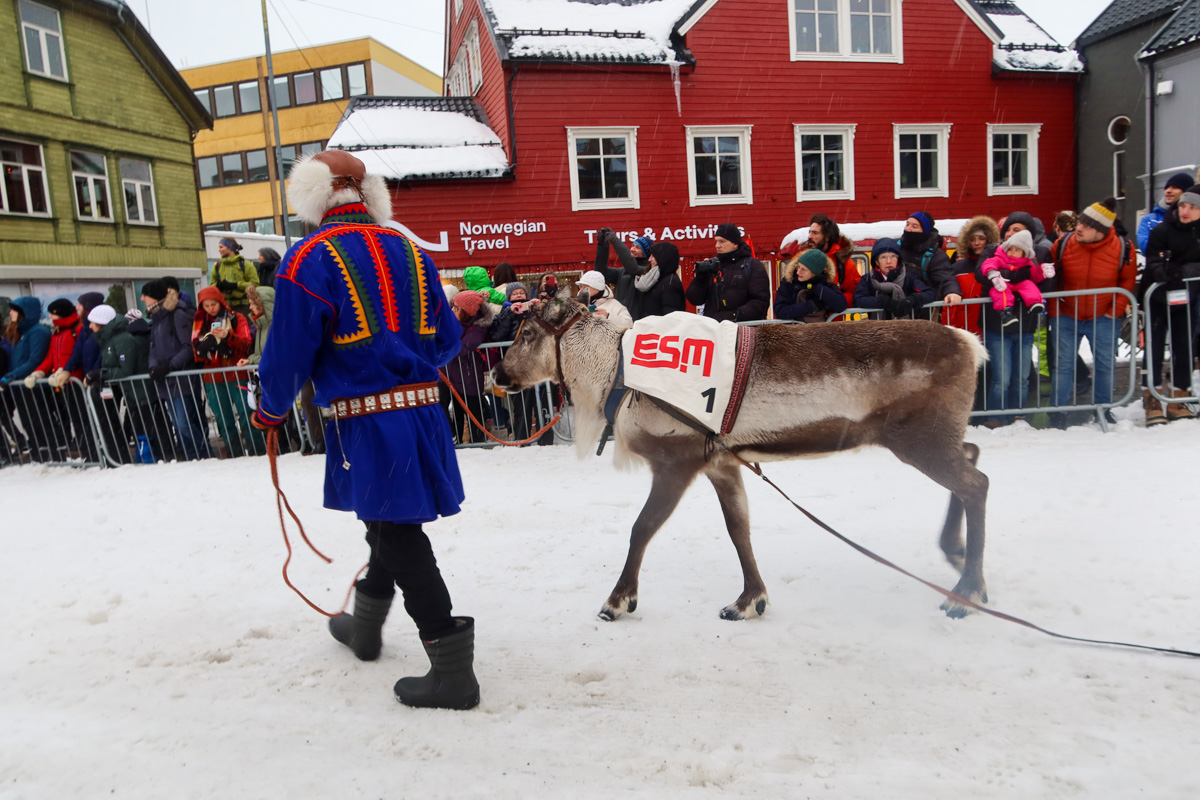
1169,327
1037,346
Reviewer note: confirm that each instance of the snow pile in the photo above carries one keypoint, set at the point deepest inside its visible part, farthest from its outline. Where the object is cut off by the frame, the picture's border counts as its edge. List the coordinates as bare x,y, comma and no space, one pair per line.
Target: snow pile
1019,30
870,231
152,650
652,20
399,126
419,142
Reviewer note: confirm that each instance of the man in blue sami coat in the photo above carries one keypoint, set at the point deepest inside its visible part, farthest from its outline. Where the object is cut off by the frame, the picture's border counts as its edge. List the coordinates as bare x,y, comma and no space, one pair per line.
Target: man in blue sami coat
359,309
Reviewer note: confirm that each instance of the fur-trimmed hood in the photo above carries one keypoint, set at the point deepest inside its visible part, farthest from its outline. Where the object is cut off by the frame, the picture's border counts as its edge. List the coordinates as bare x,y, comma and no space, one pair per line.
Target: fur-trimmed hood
311,194
789,269
982,223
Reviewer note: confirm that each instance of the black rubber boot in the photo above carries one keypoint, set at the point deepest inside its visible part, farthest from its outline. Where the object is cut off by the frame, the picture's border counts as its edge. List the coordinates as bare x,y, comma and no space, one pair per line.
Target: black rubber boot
361,631
450,682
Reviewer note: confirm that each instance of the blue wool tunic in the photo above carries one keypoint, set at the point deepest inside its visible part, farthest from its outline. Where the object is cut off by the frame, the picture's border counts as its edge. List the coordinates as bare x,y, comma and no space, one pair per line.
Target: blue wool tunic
359,309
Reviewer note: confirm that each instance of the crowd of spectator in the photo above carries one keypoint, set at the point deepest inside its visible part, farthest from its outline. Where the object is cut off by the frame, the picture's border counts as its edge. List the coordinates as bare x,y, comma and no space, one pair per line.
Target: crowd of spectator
192,352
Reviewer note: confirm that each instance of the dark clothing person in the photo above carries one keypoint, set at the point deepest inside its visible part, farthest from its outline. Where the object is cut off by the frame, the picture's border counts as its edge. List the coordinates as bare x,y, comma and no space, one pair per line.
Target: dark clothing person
923,252
621,278
659,290
1172,254
268,265
814,299
1041,244
171,351
732,286
897,291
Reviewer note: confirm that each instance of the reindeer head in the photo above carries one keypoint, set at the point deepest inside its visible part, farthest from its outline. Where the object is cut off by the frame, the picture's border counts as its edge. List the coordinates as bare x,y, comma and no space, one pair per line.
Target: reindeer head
533,357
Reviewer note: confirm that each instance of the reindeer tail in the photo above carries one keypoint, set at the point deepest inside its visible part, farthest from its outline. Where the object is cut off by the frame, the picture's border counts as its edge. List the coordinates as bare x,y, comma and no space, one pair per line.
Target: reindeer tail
974,345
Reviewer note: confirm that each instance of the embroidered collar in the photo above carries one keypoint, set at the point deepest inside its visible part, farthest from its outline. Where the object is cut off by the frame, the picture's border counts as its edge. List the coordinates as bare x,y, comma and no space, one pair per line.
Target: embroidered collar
355,213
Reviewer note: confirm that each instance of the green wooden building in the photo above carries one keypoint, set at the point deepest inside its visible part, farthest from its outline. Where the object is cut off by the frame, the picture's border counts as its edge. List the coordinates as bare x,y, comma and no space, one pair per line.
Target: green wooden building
96,130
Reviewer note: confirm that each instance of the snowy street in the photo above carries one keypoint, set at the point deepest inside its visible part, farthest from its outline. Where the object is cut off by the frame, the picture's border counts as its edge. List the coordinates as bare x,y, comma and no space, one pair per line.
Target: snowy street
152,650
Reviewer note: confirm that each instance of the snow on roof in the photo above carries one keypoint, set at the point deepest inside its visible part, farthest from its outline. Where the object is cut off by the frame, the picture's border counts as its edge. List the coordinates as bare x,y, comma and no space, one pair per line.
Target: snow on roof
1026,47
589,30
420,138
870,231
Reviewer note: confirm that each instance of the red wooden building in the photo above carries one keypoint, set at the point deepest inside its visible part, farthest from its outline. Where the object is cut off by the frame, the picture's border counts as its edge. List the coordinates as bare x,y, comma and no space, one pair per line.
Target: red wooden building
671,116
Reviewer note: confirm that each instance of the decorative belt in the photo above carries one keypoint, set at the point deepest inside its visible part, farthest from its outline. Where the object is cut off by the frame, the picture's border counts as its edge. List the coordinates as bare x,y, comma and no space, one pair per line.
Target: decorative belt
411,396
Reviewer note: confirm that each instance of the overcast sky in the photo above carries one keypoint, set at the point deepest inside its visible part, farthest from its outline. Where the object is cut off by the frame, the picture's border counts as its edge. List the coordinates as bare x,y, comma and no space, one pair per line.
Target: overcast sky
197,33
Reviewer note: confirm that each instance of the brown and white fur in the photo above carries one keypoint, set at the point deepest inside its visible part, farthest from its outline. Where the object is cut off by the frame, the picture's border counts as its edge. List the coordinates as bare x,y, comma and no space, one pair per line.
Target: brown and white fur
906,385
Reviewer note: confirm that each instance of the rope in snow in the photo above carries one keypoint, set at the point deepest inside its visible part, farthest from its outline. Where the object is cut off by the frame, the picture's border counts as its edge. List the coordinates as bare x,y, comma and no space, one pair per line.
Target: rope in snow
757,470
486,432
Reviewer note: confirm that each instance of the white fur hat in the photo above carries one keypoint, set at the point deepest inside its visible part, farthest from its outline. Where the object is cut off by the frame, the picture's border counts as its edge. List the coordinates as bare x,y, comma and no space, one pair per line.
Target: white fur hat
591,279
311,190
102,315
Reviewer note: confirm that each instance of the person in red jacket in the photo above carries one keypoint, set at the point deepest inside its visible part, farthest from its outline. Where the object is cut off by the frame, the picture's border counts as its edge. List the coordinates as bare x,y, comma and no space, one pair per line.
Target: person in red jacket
1090,258
62,424
220,338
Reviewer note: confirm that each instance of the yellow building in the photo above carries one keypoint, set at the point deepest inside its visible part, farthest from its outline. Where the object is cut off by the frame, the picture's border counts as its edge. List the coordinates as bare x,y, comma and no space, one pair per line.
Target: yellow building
235,164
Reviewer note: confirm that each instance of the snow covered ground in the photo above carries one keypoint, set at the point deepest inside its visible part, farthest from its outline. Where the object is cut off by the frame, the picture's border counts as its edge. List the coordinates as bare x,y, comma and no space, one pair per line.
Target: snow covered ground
151,649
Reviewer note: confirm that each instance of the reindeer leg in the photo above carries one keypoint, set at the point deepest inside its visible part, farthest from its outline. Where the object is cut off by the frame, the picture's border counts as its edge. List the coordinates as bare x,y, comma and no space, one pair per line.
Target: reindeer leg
951,540
726,478
670,482
952,466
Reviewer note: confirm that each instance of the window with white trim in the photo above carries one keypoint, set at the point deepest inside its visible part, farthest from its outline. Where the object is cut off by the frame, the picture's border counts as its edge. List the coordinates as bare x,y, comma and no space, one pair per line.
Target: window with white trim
921,160
1119,174
89,175
824,162
23,189
41,33
849,30
458,9
603,164
719,165
466,73
138,185
1014,157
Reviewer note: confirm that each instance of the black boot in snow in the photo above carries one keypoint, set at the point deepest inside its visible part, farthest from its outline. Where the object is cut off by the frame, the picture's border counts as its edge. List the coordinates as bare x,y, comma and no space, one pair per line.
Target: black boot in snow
360,631
450,682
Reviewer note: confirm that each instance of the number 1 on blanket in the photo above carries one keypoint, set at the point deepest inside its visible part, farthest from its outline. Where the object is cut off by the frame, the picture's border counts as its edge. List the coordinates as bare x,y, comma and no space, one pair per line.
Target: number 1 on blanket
711,394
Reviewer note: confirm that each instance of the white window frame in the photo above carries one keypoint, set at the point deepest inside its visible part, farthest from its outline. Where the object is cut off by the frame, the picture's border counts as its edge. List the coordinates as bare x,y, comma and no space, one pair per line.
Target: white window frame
138,183
746,196
943,133
847,134
466,73
1033,131
1118,187
42,33
4,202
91,179
630,134
844,53
457,12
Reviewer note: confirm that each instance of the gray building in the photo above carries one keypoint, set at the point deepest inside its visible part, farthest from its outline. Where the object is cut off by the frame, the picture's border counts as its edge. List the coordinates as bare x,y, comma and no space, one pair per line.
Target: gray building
1121,147
1172,62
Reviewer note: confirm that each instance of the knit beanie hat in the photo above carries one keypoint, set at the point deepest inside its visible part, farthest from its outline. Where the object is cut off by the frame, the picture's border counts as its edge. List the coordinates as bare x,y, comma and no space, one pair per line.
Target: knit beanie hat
90,300
469,302
1023,240
102,314
645,243
1099,216
1180,180
155,290
210,293
450,290
1191,195
815,261
61,308
729,232
923,218
514,286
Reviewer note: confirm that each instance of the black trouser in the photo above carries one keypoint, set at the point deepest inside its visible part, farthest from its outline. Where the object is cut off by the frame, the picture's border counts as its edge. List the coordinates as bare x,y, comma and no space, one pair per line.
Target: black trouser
402,556
1179,320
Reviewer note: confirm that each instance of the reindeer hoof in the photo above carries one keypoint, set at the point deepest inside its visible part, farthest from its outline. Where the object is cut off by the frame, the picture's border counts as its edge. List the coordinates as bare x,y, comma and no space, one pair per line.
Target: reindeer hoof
611,610
732,612
607,614
956,610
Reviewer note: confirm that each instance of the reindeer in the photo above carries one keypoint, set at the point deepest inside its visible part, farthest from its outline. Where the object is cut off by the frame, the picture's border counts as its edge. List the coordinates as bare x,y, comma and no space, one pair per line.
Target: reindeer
905,385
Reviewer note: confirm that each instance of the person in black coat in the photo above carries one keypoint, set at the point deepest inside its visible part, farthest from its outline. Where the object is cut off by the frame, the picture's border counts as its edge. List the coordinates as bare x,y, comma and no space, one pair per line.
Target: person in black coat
171,351
895,288
1172,254
635,261
809,291
733,286
921,249
659,289
268,265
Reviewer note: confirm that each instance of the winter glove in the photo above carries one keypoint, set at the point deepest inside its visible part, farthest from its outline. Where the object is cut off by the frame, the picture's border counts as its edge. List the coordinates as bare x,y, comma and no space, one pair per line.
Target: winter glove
1174,273
93,378
604,235
32,378
206,345
900,306
59,378
227,286
997,281
158,373
1048,270
707,267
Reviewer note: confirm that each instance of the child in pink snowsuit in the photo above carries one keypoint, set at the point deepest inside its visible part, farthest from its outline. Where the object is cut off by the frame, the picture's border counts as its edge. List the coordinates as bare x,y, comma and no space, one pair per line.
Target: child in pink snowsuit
1014,254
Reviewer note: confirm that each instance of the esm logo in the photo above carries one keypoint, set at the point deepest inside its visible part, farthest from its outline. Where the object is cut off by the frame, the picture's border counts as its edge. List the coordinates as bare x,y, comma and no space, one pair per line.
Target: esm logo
665,352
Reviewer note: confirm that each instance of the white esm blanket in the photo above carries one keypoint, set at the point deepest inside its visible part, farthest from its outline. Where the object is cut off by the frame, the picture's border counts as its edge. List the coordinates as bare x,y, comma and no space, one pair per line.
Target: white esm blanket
684,359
